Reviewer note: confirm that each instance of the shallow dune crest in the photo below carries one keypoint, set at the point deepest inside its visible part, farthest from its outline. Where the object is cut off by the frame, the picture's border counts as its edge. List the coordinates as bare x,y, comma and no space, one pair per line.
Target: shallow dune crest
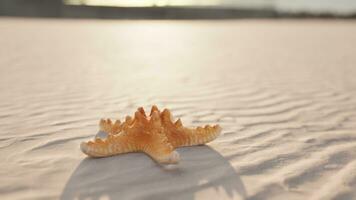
284,93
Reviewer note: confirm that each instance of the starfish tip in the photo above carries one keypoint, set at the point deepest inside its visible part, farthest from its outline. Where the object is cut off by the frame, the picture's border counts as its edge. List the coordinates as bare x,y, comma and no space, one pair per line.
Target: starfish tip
84,147
154,108
218,128
142,111
173,158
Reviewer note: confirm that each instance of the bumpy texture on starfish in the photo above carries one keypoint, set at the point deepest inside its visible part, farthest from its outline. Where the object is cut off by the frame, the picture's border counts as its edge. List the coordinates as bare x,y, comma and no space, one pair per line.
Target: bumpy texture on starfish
155,135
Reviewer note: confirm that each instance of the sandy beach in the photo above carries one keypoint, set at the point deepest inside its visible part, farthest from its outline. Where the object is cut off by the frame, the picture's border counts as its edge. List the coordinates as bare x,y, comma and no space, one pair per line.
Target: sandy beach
284,92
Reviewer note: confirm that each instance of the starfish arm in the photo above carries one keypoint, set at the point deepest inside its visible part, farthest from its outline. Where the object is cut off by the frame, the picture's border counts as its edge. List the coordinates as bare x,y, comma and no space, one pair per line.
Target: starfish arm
162,156
199,135
160,150
113,145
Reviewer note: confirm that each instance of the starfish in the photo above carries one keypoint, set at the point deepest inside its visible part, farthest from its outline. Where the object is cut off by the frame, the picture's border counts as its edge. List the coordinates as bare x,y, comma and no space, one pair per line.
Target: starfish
156,135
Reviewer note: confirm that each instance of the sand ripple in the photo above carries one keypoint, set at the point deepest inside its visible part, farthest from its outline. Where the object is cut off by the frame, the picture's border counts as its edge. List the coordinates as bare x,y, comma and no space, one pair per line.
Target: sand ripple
287,110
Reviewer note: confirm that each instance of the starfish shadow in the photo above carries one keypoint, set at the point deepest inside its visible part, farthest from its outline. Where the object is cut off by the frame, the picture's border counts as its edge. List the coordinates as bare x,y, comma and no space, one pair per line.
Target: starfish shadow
202,172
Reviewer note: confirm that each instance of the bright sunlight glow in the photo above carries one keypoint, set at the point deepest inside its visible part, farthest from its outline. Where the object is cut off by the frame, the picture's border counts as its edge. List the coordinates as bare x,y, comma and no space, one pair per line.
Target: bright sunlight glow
143,3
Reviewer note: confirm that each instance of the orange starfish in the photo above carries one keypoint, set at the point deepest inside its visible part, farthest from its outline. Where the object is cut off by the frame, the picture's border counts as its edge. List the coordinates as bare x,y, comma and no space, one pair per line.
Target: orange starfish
155,135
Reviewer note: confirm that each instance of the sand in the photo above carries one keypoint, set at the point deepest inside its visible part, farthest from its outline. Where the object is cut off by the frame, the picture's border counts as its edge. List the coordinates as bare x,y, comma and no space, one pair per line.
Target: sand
284,92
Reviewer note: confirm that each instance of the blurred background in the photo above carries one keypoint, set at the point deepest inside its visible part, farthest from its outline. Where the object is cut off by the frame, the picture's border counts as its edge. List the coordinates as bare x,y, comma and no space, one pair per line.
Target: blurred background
178,9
